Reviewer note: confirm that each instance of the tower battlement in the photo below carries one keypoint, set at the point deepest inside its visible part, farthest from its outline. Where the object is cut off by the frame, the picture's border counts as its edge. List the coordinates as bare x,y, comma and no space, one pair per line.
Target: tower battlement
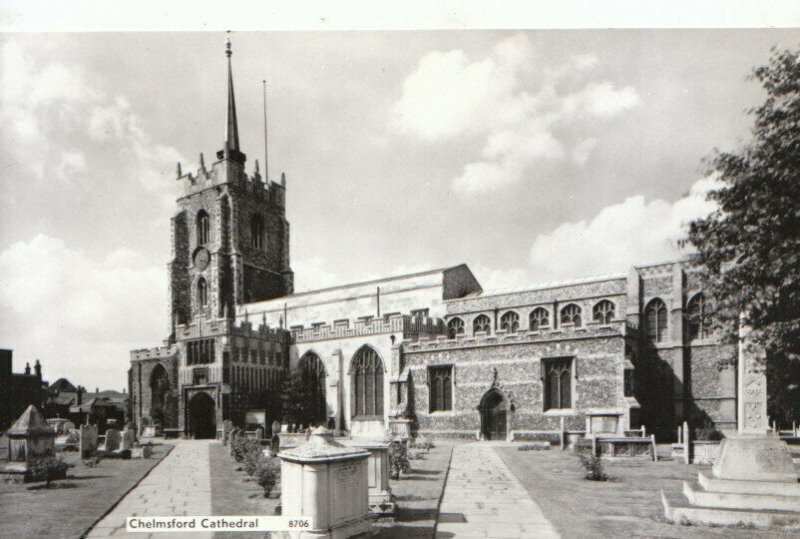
229,172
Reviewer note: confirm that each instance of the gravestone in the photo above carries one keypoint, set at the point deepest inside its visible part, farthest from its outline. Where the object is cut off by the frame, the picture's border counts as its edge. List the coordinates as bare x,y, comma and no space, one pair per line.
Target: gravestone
227,427
113,439
30,439
87,443
276,427
128,439
326,481
259,434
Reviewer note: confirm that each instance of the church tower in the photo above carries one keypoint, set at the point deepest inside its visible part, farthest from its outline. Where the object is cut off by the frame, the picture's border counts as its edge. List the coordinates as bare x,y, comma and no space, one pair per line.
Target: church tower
230,236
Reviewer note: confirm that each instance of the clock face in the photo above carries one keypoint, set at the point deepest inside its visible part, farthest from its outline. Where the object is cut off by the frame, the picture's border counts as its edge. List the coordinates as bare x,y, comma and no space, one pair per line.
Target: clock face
201,259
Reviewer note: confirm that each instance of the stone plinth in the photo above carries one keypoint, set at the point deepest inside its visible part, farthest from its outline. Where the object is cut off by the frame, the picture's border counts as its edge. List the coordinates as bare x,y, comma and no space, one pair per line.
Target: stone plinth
30,439
367,428
380,494
327,482
754,458
400,427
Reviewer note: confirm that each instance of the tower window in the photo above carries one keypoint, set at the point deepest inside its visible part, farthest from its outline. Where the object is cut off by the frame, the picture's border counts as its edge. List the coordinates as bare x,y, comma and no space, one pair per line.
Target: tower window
571,315
509,322
656,320
455,326
482,323
441,388
202,228
257,233
202,292
539,319
603,312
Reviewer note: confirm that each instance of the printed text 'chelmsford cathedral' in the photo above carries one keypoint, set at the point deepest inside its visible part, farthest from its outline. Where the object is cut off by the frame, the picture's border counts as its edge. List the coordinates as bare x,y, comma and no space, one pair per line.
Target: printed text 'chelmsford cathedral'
615,353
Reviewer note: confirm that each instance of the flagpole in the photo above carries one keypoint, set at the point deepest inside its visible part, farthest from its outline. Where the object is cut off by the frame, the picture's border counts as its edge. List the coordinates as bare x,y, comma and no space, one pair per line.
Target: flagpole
266,155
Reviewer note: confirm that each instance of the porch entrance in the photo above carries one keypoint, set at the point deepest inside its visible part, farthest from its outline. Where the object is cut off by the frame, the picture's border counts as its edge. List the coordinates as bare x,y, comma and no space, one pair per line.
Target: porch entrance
202,414
494,416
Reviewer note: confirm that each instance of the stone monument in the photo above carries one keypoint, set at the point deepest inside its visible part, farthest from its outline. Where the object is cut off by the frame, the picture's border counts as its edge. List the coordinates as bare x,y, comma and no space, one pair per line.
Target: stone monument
328,482
87,444
753,481
30,439
380,493
112,440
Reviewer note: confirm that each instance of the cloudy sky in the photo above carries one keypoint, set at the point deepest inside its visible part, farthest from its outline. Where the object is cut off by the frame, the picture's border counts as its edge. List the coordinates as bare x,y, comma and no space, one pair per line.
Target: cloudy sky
531,156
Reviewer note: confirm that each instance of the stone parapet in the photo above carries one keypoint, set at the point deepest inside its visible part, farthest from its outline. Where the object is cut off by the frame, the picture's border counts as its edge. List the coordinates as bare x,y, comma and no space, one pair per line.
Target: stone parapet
406,325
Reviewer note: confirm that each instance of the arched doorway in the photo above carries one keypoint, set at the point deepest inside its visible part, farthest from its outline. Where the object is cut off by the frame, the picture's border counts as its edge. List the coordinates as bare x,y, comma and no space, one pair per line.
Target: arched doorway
494,415
159,387
202,413
314,379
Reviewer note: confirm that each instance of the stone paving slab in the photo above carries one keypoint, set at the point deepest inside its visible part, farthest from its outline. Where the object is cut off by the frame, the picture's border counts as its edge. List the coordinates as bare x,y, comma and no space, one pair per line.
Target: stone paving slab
180,485
482,498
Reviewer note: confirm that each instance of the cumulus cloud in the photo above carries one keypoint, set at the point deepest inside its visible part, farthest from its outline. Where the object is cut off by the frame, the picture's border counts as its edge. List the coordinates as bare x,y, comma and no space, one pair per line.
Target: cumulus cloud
81,313
635,231
523,119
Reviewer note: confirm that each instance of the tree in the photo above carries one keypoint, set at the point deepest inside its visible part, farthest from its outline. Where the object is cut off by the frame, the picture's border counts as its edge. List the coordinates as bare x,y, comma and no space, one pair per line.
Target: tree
298,397
748,249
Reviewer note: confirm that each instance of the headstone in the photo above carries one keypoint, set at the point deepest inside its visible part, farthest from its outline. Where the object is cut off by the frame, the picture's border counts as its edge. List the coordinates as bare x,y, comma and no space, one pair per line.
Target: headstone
276,427
328,482
30,439
259,433
128,439
227,427
87,443
142,452
113,439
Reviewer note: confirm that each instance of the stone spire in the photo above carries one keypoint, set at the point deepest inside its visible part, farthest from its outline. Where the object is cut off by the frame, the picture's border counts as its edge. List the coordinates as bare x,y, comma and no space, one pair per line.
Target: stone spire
231,126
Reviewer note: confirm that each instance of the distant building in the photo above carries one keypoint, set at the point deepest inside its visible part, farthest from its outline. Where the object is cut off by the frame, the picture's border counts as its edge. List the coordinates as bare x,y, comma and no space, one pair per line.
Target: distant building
19,390
610,353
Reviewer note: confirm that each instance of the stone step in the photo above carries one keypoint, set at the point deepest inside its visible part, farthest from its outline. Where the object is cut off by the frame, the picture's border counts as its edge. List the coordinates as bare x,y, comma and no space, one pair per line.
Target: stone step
714,484
681,513
737,500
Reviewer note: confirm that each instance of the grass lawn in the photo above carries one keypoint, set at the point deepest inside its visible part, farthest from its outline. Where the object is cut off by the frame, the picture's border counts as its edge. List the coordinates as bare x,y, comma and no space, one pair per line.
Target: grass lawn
628,506
71,505
417,494
233,494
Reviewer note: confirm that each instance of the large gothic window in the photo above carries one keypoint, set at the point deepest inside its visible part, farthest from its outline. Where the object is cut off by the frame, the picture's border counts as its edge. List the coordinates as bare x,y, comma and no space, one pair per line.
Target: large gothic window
202,292
455,326
367,383
656,320
603,312
509,322
557,383
482,323
440,388
539,319
313,371
571,316
697,318
202,227
257,233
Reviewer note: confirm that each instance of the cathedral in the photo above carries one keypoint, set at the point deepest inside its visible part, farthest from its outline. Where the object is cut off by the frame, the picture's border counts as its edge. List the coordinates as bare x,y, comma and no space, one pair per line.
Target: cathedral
432,349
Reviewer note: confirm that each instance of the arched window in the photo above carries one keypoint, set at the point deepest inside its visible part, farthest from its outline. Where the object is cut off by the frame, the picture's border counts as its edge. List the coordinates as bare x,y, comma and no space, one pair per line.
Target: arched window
257,232
558,383
510,322
697,318
202,292
656,320
603,312
367,383
455,326
539,319
202,227
314,379
441,388
482,323
571,315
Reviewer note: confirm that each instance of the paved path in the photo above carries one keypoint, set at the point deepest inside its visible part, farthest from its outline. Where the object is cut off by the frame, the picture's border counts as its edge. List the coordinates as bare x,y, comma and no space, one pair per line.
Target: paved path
482,498
179,485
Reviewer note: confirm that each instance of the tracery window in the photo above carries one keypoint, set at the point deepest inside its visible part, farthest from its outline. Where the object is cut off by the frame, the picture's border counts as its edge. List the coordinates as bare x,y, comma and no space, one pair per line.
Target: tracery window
539,319
314,378
367,383
698,321
257,233
509,322
440,388
603,312
202,227
656,320
202,292
482,323
557,383
571,315
455,326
